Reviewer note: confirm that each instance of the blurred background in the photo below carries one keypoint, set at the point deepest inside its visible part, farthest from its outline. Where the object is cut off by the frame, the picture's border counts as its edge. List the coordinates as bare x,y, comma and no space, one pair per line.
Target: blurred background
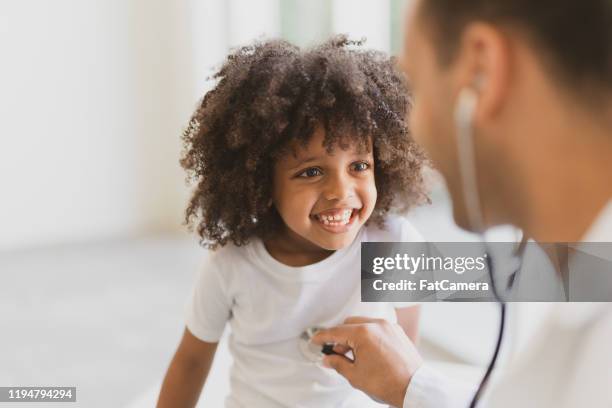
95,264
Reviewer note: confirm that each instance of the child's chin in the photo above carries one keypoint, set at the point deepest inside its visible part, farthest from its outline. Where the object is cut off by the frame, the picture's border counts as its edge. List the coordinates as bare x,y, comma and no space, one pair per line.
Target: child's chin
336,244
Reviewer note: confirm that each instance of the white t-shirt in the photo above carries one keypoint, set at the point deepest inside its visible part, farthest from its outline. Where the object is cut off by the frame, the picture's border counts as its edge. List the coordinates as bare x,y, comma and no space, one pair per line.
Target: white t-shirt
269,304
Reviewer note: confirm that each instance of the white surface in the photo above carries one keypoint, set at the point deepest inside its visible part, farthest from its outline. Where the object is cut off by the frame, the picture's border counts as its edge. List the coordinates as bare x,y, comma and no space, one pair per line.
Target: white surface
94,97
215,390
105,317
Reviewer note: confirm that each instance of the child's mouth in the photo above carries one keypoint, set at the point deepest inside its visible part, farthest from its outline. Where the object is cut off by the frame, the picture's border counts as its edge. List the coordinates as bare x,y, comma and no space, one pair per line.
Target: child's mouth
336,220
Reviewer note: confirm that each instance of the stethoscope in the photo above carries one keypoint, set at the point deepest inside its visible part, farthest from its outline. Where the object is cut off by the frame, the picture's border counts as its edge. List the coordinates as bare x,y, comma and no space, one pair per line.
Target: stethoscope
463,118
502,318
315,353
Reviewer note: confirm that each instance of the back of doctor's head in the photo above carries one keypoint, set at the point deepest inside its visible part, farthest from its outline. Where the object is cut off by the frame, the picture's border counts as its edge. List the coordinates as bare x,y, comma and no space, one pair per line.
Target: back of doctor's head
574,36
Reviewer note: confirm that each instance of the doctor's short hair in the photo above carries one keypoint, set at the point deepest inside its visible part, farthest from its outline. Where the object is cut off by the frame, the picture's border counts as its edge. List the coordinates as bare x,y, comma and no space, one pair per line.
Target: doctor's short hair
271,95
573,36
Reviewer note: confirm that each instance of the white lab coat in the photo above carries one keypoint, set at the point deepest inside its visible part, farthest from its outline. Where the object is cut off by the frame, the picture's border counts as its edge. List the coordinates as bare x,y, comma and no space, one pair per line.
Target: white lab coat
566,363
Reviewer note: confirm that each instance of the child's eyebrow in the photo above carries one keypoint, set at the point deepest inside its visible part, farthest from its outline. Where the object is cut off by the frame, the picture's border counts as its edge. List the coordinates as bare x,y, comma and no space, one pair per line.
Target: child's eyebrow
310,159
301,162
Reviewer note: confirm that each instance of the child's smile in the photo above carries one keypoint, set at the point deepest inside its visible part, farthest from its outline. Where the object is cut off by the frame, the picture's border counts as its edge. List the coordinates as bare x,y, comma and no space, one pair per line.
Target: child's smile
323,197
336,220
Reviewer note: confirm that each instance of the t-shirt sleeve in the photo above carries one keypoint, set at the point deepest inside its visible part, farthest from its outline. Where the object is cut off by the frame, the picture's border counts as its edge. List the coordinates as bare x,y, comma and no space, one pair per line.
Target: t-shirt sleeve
209,307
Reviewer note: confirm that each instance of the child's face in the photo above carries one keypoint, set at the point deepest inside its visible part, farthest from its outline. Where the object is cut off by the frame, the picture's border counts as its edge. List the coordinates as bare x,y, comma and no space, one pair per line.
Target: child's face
323,198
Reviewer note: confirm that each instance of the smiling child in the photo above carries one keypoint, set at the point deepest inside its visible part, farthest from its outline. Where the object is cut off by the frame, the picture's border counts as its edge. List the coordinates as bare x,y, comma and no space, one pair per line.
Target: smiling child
299,156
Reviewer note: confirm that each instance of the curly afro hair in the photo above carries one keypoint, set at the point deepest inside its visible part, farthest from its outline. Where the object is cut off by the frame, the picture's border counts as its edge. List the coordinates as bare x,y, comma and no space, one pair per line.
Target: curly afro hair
269,96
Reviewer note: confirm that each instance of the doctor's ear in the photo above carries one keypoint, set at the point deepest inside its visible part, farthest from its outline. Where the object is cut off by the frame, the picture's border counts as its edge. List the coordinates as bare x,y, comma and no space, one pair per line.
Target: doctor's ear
484,56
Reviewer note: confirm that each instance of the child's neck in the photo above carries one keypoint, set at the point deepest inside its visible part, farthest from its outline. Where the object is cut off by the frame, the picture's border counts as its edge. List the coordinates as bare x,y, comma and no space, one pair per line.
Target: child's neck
292,250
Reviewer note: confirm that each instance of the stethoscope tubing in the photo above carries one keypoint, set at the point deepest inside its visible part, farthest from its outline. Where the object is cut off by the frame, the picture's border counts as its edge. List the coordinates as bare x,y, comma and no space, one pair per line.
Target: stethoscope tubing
500,336
502,321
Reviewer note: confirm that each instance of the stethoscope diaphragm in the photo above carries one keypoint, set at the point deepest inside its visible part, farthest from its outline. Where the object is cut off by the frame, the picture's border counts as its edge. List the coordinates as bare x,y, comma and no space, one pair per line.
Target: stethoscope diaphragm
314,352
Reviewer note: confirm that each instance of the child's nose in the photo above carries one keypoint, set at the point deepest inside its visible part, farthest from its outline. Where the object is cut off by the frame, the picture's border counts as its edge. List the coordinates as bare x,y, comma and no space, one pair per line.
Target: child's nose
337,187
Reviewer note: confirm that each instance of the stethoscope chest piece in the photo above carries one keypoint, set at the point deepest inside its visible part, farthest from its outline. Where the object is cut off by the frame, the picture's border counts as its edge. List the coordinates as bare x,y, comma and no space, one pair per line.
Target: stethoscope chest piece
313,352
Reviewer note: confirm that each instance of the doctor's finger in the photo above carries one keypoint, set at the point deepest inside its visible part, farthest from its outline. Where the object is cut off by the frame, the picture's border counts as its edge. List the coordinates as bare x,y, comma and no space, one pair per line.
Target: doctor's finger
341,364
343,335
341,348
360,320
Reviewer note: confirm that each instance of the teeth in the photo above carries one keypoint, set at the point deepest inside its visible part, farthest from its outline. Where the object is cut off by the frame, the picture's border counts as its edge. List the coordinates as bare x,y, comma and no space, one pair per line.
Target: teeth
342,218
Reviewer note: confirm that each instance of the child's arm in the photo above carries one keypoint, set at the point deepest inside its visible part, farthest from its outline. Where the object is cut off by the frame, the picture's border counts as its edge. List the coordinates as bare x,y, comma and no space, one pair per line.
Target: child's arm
408,318
187,373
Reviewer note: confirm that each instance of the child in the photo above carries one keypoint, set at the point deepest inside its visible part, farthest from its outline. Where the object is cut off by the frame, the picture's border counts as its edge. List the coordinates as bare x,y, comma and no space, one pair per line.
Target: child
298,156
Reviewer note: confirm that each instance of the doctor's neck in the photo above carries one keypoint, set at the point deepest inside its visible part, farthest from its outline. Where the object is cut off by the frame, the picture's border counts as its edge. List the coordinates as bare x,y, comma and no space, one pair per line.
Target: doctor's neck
569,168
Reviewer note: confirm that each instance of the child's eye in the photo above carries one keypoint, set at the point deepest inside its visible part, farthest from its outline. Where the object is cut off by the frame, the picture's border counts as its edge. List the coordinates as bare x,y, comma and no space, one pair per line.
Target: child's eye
361,166
311,172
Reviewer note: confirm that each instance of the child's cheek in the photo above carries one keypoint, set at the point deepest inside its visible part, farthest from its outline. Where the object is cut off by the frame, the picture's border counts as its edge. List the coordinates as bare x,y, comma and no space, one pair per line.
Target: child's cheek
369,200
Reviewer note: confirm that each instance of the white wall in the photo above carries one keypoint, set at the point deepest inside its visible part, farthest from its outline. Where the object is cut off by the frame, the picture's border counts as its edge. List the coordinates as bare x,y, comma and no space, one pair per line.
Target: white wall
364,18
219,25
94,96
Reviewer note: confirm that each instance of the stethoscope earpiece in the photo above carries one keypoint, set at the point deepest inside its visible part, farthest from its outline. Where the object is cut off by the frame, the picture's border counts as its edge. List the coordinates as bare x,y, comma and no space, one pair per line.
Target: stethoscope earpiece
465,108
467,99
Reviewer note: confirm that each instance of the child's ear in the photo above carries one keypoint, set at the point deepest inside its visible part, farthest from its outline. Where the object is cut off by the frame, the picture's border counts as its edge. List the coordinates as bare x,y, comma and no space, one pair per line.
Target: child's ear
270,203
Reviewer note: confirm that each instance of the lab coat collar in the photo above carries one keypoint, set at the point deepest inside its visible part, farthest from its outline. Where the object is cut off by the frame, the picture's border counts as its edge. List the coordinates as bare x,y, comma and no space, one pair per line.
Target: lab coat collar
575,315
601,229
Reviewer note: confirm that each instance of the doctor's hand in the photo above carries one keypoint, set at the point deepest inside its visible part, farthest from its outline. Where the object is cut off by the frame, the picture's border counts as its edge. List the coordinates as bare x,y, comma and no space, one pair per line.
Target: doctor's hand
384,357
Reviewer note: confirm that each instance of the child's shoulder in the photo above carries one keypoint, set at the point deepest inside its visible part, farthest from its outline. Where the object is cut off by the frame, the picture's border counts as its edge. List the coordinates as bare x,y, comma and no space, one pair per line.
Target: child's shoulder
397,228
228,257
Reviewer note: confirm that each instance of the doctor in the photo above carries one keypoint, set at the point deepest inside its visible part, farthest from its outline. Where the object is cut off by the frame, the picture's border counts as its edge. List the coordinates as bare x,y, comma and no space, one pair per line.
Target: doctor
513,103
